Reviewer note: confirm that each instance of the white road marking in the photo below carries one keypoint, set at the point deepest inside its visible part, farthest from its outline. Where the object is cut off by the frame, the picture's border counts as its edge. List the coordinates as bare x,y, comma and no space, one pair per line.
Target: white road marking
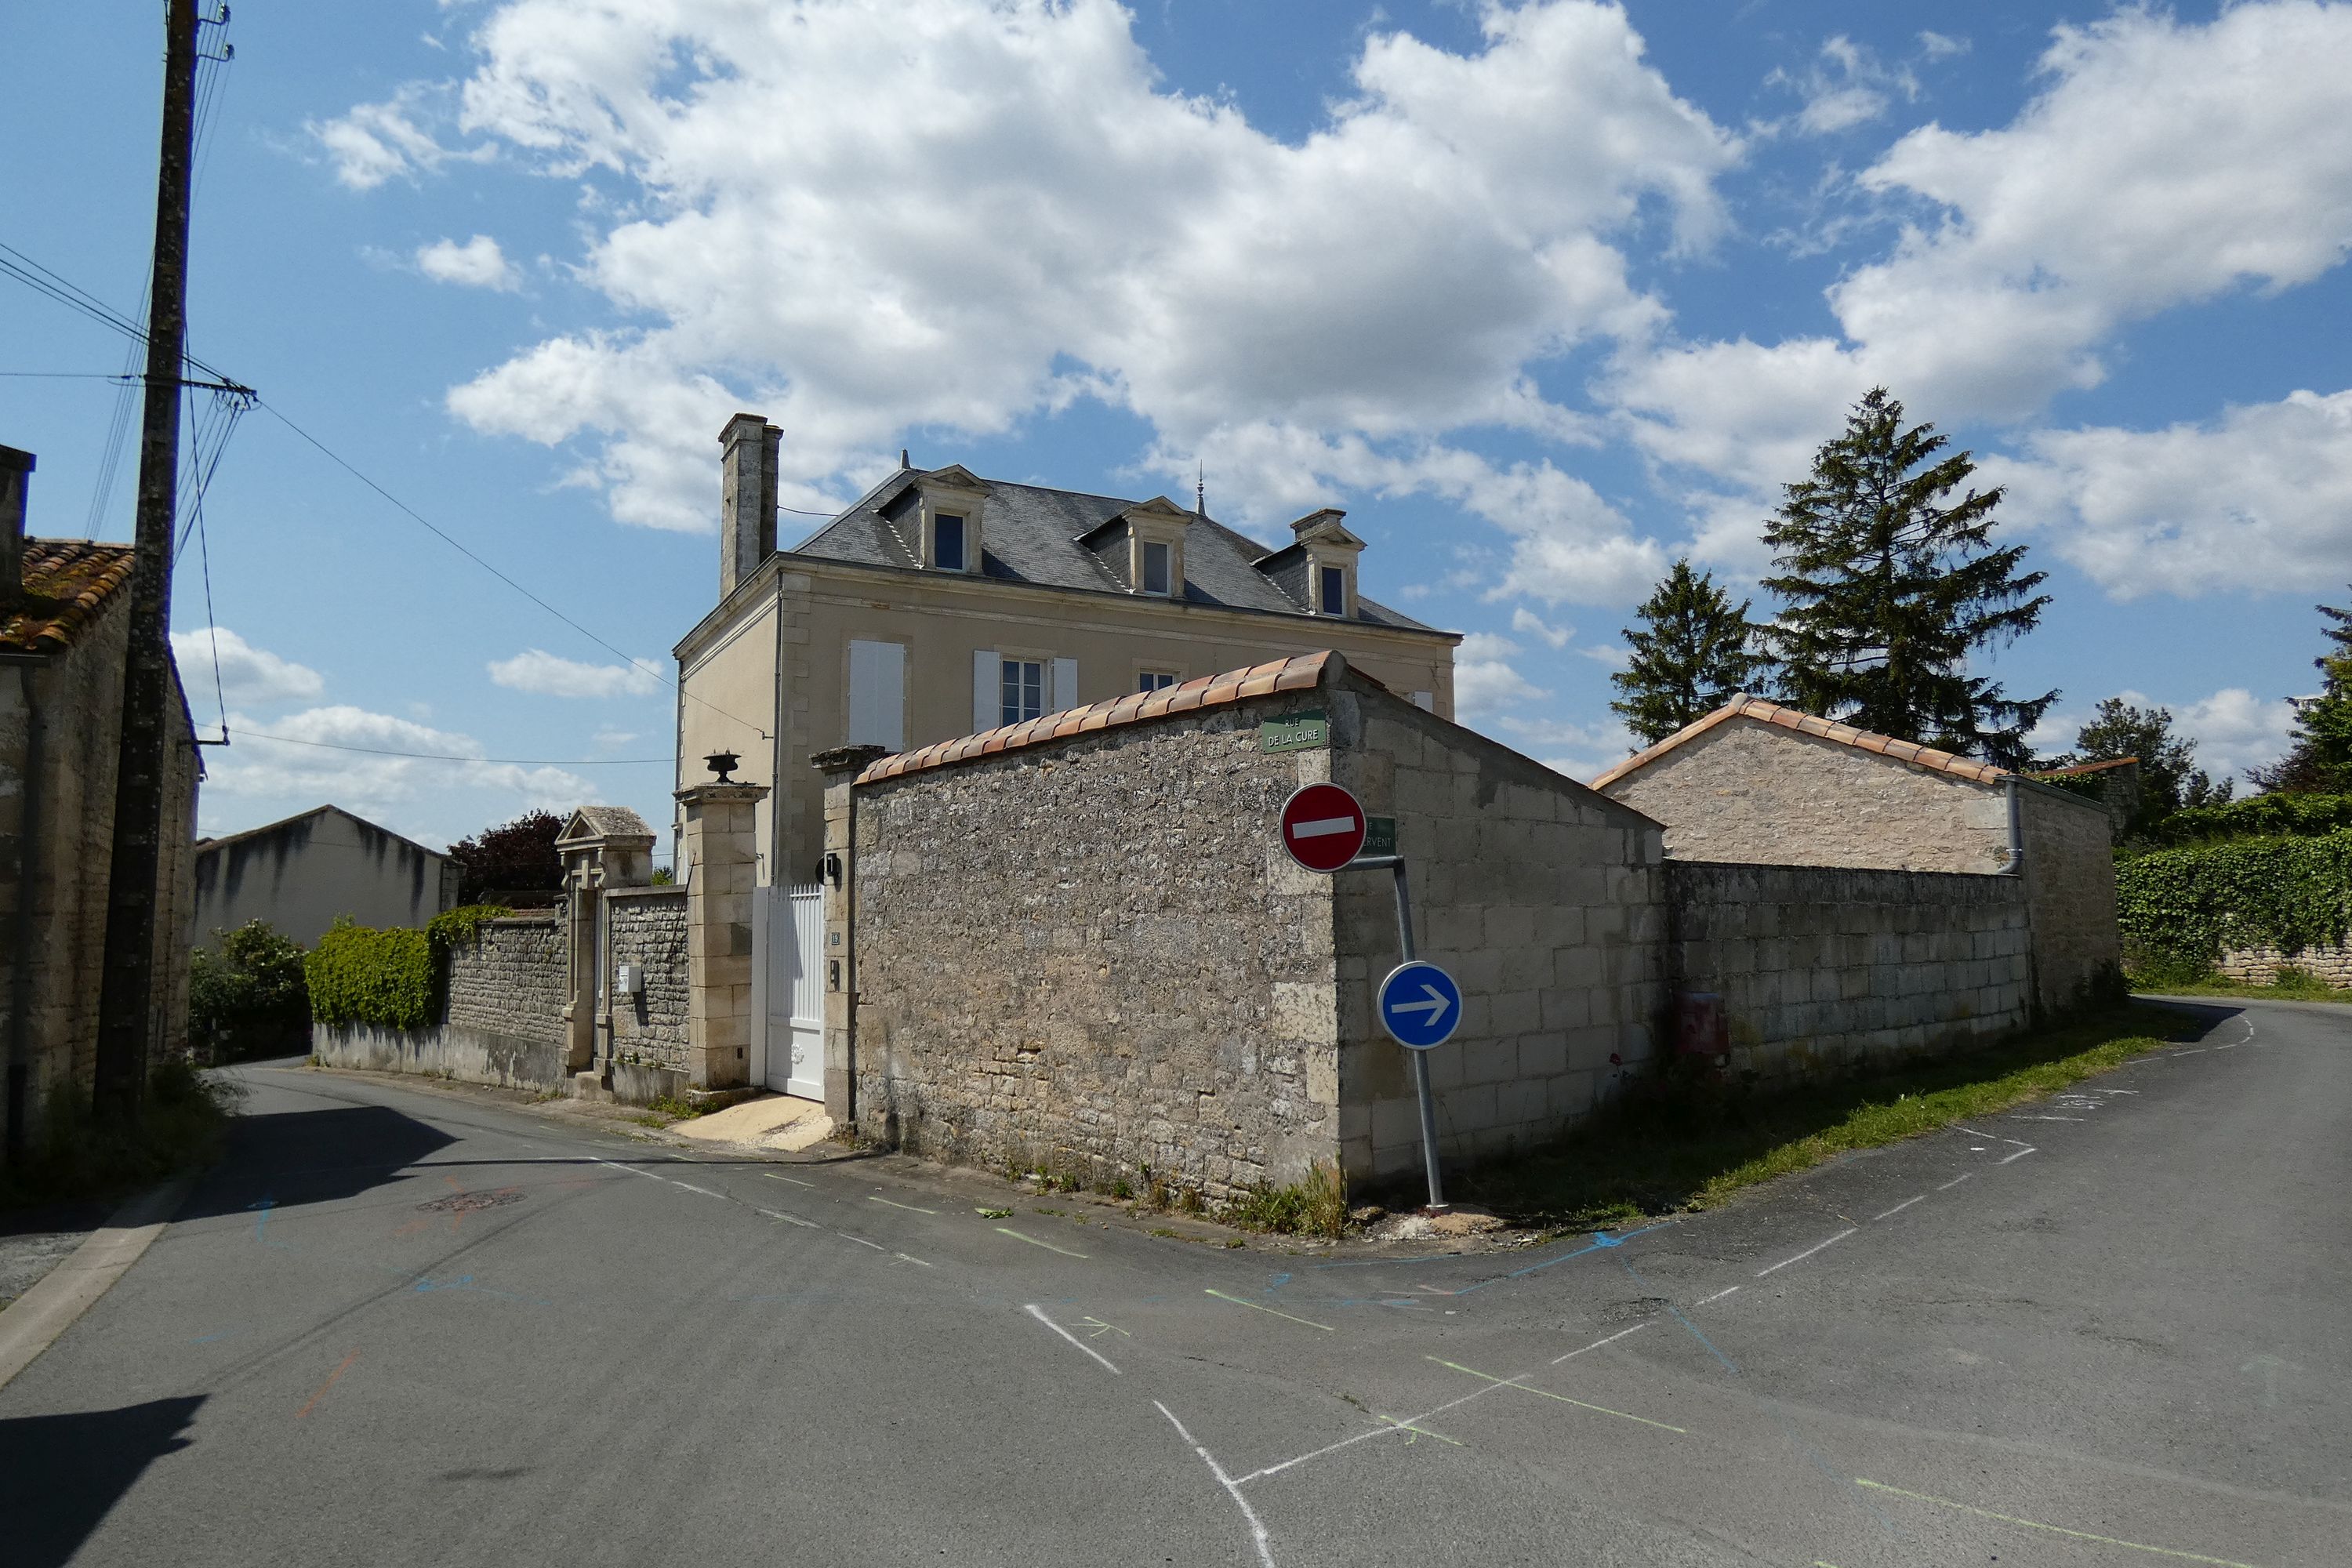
909,1258
908,1207
1008,1230
1956,1181
1038,1312
1897,1209
862,1241
2021,1154
1807,1253
789,1218
1719,1295
1613,1338
1995,1136
1232,1488
794,1180
2053,1118
690,1187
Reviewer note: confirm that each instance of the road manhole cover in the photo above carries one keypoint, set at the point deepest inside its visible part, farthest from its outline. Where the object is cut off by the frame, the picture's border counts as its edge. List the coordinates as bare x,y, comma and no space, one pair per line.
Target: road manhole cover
465,1203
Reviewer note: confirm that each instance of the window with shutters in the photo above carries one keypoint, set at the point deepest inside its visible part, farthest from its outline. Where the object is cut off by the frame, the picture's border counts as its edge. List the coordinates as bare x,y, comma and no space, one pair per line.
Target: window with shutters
1022,683
878,694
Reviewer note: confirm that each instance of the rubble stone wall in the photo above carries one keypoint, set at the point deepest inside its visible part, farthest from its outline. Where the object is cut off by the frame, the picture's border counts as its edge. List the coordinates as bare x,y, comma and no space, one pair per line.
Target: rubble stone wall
648,927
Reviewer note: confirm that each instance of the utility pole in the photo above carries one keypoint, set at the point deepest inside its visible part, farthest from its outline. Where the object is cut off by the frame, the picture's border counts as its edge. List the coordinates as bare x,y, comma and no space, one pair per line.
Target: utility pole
125,1010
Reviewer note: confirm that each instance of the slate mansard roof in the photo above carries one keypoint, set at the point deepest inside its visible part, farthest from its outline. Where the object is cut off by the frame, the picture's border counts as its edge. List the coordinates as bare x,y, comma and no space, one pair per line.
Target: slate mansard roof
1058,539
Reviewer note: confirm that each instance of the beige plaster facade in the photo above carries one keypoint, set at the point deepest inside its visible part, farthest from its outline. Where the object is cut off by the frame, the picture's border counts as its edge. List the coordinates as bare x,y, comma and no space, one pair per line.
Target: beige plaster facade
302,873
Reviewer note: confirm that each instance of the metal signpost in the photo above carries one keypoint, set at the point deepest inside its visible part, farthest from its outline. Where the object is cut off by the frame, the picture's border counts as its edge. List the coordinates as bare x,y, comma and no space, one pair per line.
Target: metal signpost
1419,1003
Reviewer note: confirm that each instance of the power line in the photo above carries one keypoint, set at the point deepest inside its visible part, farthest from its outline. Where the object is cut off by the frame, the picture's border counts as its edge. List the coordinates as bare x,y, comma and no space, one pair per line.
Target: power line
453,757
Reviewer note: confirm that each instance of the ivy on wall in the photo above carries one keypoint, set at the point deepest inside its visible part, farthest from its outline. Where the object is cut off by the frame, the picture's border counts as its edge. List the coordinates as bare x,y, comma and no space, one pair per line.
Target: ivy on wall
396,978
2192,903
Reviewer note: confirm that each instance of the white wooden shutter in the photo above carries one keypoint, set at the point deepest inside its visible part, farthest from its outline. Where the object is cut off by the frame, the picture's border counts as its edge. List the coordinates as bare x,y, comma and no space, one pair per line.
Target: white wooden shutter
878,695
1065,695
1424,702
987,698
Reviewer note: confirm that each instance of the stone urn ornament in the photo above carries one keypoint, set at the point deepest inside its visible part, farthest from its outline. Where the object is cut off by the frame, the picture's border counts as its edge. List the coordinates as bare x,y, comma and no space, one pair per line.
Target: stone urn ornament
723,764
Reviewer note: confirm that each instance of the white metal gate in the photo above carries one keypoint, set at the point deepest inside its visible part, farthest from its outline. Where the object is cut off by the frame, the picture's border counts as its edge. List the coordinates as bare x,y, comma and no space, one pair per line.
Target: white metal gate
788,932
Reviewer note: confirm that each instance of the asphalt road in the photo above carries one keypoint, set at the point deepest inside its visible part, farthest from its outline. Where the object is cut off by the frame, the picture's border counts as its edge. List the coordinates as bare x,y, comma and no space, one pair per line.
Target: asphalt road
402,1326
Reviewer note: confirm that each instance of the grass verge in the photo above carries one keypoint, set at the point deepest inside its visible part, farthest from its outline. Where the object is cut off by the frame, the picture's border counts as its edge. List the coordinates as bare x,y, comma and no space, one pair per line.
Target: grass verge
2291,985
74,1157
1668,1153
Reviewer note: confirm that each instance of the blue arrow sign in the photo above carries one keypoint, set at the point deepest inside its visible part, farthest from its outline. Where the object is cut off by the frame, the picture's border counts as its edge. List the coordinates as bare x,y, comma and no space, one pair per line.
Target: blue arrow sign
1420,1005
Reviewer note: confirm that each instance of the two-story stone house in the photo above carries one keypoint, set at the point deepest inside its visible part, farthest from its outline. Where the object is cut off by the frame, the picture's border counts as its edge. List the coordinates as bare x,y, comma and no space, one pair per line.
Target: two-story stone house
944,604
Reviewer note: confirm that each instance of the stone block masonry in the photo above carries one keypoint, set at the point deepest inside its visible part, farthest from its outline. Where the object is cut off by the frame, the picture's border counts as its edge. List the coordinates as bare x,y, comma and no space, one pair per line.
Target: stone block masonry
2331,963
510,980
648,927
1823,968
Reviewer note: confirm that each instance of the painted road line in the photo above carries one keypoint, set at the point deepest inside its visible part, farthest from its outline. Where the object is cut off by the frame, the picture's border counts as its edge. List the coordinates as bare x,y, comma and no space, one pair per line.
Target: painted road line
2051,1119
794,1180
2021,1154
1974,1133
1897,1209
1259,1307
861,1241
332,1378
1420,1431
909,1258
1807,1253
1008,1230
1478,1393
1611,1340
1038,1312
2052,1528
690,1187
1719,1295
1564,1399
787,1218
1956,1181
1232,1488
908,1207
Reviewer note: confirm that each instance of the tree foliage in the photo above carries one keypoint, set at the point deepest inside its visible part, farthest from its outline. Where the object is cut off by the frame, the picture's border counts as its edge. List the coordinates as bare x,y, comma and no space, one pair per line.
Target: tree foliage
1889,588
516,857
2320,761
1693,652
2263,816
247,998
2170,779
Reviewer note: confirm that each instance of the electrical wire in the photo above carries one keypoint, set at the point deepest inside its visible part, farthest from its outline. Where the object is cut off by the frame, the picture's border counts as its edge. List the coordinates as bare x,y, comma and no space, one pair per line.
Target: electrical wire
453,757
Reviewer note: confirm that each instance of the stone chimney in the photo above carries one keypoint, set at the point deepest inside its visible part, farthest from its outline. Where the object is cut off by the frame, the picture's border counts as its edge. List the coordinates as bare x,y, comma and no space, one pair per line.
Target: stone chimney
15,475
747,497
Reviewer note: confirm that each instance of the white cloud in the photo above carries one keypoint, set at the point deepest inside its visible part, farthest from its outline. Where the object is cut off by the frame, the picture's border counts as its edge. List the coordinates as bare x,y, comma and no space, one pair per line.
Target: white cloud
1034,219
337,753
247,674
1528,623
379,142
2234,728
1846,85
544,674
2162,164
1582,751
1483,680
1941,45
477,264
2258,500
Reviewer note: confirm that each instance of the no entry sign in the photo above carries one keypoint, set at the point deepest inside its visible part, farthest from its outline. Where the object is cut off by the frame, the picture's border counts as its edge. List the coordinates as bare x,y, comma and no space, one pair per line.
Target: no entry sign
1322,826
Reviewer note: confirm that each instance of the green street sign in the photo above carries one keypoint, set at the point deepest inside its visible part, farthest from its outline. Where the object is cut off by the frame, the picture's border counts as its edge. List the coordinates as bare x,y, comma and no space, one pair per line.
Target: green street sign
1380,835
1298,733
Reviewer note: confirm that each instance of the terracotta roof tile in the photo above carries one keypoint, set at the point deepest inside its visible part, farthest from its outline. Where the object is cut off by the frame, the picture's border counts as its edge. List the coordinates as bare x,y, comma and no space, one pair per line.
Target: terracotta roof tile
68,585
1763,712
1303,673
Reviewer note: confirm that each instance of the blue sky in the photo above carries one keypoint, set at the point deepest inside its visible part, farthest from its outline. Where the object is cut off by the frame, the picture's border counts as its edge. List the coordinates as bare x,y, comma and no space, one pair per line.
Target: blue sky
1543,295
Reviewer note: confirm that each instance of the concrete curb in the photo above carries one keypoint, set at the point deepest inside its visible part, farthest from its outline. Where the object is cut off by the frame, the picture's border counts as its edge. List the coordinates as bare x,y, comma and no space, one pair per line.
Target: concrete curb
73,1287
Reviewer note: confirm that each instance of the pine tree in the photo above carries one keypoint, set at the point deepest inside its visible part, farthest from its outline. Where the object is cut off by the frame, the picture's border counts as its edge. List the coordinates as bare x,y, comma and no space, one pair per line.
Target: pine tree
2321,761
1691,653
1889,591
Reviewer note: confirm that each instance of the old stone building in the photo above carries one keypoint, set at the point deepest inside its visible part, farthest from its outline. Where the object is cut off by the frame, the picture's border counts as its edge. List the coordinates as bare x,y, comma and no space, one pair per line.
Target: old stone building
302,873
64,632
1756,783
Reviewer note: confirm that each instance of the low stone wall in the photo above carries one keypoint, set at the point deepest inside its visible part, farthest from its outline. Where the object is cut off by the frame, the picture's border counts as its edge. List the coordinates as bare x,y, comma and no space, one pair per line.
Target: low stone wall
510,980
646,926
2330,962
1822,967
452,1051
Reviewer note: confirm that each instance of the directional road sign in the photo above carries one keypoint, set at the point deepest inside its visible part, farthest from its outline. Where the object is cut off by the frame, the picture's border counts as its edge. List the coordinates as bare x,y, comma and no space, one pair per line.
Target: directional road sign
1419,1005
1322,826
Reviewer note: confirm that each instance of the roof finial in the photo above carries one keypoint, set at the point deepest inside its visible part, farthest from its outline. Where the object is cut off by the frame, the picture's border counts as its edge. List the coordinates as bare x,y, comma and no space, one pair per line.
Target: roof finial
902,458
1200,490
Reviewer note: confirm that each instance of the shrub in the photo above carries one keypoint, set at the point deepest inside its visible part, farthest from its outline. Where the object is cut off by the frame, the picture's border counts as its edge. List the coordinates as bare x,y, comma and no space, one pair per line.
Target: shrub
2186,905
2261,816
248,998
76,1157
394,978
1315,1206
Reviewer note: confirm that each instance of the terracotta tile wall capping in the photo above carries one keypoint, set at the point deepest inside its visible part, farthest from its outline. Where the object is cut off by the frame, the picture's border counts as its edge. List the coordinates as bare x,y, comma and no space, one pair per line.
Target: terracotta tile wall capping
2082,768
67,582
1302,673
1765,713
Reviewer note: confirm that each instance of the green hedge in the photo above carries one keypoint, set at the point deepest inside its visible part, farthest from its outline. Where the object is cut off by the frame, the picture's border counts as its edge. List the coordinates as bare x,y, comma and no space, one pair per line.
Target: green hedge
395,978
2190,903
2263,816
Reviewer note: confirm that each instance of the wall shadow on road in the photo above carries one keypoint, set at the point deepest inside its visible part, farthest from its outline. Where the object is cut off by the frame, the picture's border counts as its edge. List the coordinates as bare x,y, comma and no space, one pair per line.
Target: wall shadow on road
312,1157
60,1474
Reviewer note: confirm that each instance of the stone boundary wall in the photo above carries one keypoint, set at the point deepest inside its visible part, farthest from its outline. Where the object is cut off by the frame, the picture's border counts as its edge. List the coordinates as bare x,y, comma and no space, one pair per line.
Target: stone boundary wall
511,980
1823,967
647,926
2330,962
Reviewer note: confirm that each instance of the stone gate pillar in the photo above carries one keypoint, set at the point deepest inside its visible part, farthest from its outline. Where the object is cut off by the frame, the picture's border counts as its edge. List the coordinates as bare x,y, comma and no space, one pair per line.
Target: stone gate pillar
603,847
719,844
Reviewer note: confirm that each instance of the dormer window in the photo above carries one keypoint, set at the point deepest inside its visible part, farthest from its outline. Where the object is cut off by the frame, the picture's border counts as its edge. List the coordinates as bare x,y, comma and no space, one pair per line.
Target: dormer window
1155,567
947,542
1331,590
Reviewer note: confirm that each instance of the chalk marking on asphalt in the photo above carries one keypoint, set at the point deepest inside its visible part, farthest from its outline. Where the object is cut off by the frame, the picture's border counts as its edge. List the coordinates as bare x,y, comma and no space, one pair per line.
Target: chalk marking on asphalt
312,1402
2053,1119
2192,1051
1232,1488
1256,1307
1564,1399
861,1241
1611,1339
1974,1133
1956,1181
2052,1528
1101,1327
1008,1230
1807,1253
1038,1312
794,1180
908,1207
1897,1209
1719,1295
787,1218
2021,1154
1600,1238
1418,1431
2118,1092
630,1168
909,1258
690,1187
